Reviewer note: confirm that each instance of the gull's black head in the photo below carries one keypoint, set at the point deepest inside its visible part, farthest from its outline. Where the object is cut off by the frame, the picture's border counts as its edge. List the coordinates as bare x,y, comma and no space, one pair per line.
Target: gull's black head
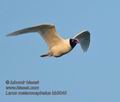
73,42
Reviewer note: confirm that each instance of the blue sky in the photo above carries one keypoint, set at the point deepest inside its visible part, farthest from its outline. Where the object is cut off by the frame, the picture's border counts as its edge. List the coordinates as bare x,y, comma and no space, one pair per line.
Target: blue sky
87,77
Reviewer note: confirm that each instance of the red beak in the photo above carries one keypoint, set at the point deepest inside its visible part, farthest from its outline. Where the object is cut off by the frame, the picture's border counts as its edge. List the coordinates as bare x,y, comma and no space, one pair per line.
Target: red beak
77,41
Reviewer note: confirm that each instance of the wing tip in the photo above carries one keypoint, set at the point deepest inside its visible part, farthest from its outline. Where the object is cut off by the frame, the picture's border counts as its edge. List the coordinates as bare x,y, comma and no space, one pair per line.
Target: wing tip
85,32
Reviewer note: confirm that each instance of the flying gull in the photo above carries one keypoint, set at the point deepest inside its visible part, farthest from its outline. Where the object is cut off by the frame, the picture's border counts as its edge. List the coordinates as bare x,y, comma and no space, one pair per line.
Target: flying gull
56,44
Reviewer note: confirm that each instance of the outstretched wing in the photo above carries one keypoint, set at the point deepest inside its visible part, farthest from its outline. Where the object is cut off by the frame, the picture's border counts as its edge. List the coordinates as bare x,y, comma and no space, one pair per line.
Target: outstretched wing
84,39
47,31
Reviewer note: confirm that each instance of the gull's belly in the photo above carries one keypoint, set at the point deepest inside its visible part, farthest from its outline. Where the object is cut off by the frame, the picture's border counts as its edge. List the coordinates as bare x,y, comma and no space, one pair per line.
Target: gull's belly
60,50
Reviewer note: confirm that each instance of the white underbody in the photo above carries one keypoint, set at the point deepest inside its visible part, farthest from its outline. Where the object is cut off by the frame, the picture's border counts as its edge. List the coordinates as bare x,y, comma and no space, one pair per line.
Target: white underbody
60,48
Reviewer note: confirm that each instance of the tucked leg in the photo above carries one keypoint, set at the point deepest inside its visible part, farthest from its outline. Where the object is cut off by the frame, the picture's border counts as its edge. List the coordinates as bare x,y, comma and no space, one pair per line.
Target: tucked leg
47,54
44,55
